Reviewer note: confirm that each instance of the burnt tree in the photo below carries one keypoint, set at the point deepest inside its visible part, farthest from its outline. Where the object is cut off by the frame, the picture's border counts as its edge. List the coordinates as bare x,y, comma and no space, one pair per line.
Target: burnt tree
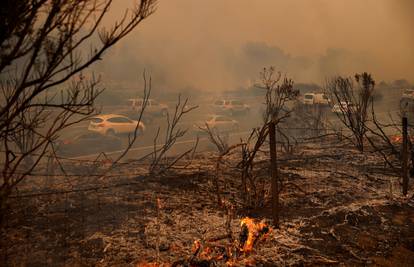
45,46
354,97
278,92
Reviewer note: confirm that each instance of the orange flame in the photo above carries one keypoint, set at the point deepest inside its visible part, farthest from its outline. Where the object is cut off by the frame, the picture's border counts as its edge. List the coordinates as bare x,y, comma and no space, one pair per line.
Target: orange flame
196,246
251,233
203,252
255,231
396,138
159,203
399,138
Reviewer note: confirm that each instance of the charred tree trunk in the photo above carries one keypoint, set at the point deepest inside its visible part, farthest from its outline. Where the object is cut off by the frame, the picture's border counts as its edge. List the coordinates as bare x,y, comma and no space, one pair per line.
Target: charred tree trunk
274,174
360,141
405,156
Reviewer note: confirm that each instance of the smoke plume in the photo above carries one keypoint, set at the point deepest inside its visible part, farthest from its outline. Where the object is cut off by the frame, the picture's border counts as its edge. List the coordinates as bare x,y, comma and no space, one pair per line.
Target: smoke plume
221,45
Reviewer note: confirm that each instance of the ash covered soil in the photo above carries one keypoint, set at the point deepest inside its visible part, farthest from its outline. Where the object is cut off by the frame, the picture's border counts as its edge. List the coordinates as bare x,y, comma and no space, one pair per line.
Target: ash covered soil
338,208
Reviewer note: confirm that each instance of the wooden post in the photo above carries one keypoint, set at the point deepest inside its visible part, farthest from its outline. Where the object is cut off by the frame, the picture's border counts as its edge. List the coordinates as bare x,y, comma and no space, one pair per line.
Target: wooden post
274,174
405,156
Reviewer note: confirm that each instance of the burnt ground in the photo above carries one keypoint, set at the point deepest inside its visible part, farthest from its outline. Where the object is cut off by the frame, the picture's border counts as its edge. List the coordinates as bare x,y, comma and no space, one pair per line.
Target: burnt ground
338,208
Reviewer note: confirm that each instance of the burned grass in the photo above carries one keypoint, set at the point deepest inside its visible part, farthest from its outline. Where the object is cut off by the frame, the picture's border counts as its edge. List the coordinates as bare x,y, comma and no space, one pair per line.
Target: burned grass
339,207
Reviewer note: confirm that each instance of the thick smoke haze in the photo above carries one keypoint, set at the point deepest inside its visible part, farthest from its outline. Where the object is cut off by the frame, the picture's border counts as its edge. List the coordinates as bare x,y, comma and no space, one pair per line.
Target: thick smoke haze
223,44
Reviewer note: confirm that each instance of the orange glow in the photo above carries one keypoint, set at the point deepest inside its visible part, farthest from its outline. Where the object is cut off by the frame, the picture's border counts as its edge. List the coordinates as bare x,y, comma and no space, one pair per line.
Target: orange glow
396,138
255,231
196,246
159,203
399,139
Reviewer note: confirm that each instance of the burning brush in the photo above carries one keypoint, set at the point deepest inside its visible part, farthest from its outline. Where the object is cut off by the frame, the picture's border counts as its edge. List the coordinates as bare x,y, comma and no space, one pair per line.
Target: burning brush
213,251
251,233
397,139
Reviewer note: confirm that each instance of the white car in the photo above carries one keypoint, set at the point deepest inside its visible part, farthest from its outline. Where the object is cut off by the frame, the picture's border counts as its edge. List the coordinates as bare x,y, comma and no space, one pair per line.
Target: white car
315,99
219,123
112,124
153,107
231,107
408,93
407,97
341,106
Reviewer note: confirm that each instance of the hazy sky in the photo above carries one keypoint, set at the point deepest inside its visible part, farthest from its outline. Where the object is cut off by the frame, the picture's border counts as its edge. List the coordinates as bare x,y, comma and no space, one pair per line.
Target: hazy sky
222,44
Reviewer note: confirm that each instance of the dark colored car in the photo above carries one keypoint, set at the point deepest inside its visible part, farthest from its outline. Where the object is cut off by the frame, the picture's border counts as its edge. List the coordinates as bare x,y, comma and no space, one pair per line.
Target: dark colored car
88,143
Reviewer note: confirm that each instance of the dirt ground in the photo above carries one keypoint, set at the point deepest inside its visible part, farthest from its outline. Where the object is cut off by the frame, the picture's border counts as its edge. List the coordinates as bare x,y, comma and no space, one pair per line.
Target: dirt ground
338,208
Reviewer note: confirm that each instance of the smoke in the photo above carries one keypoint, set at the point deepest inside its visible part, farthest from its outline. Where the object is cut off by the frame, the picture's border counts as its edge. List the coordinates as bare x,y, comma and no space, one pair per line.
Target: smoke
221,45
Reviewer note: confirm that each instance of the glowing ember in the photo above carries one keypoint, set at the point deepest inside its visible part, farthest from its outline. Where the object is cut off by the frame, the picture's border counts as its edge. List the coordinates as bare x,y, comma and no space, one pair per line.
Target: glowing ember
159,203
399,139
251,233
196,247
231,253
396,139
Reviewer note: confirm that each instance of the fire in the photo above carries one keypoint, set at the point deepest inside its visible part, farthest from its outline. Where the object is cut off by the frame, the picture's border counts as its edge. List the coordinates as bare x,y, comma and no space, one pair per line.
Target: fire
399,139
208,251
196,247
251,233
396,138
159,203
217,250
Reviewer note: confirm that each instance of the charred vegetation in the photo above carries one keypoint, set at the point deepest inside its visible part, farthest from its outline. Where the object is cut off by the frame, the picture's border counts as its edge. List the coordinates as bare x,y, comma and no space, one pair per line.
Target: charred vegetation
275,174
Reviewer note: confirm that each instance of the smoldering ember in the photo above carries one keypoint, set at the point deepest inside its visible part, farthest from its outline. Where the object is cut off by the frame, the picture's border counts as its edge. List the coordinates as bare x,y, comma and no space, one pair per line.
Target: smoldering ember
206,133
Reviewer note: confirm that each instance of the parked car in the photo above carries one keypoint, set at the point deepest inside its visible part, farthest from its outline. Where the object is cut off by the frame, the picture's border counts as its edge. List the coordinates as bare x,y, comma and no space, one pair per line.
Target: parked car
408,93
112,124
153,107
316,99
231,107
341,106
407,96
218,123
88,143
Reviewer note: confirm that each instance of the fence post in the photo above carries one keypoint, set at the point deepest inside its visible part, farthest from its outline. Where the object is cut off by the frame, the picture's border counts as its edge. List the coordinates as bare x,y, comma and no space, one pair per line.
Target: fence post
405,156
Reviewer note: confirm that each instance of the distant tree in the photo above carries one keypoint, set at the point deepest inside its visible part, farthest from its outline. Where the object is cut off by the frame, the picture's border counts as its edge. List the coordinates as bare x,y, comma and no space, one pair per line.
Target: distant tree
354,97
383,85
45,45
307,87
401,84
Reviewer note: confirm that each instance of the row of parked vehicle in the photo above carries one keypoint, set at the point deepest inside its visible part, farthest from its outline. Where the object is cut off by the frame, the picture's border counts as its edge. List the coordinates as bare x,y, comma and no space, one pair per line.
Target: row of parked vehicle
103,135
104,131
316,99
322,99
406,101
231,107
